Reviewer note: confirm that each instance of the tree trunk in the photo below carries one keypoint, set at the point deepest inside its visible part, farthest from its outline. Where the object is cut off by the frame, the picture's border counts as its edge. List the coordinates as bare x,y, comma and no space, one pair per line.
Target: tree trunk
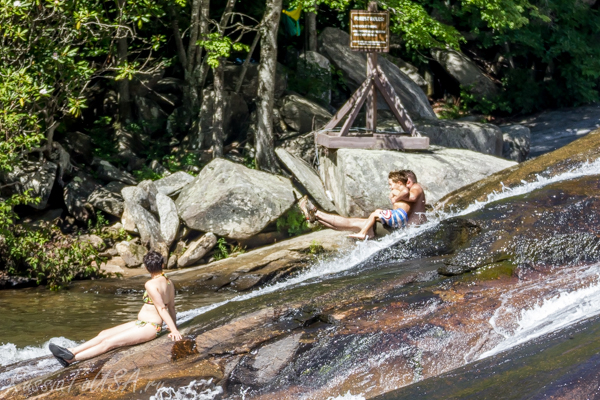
222,24
123,84
264,140
218,134
311,31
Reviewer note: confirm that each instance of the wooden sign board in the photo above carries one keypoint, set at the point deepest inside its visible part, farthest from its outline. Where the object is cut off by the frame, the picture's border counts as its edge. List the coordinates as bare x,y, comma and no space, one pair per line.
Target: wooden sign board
370,31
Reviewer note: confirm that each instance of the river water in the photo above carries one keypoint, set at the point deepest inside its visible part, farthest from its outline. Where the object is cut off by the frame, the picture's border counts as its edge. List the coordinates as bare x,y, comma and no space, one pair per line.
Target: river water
33,317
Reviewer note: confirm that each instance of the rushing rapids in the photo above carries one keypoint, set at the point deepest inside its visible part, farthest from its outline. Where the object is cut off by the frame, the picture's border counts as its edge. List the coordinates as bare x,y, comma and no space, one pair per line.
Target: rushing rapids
507,270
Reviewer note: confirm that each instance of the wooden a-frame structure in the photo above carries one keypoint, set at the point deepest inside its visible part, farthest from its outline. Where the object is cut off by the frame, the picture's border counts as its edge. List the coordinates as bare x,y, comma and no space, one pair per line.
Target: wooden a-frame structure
367,92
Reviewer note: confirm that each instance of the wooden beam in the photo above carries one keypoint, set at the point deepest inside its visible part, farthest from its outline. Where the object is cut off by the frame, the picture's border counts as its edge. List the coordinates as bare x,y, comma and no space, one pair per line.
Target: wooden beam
347,106
355,109
381,142
371,118
393,101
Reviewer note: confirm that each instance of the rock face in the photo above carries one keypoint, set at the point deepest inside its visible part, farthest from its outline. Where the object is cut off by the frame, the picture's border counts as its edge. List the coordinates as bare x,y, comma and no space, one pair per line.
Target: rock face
307,177
358,178
410,70
169,220
303,115
133,254
147,225
233,201
466,72
108,199
36,177
151,113
315,66
581,151
334,44
517,140
108,172
76,194
172,184
551,130
484,138
197,250
80,145
302,146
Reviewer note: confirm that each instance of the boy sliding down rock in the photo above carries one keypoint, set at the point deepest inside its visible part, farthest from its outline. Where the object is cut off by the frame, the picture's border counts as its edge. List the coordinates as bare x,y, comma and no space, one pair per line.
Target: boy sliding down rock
408,208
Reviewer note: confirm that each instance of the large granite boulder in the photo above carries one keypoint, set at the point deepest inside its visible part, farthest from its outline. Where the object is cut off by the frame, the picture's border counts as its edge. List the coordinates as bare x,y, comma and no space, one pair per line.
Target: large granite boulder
466,72
80,145
301,114
108,199
197,249
302,146
169,220
316,68
484,138
76,195
36,177
517,142
147,225
150,113
108,172
307,177
334,44
410,70
358,179
172,184
233,201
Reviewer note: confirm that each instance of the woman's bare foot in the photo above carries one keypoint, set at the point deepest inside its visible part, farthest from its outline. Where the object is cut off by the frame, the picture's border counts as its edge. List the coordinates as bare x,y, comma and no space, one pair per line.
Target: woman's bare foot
358,236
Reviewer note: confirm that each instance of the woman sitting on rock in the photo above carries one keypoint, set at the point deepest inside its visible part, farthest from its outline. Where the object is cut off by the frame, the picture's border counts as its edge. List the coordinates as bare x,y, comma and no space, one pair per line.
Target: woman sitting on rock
159,306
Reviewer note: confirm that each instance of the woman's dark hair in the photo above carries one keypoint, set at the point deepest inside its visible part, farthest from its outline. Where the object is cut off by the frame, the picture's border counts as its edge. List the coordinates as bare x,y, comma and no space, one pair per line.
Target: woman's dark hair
154,261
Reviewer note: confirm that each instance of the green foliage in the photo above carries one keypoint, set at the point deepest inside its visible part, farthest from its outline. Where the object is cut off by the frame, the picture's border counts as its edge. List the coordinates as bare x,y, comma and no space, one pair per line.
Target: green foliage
221,251
293,222
483,105
146,173
218,46
185,162
315,248
44,254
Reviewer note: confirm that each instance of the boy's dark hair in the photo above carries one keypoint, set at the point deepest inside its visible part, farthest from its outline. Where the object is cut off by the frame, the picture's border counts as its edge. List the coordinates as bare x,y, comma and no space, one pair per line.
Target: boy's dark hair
398,176
154,261
409,174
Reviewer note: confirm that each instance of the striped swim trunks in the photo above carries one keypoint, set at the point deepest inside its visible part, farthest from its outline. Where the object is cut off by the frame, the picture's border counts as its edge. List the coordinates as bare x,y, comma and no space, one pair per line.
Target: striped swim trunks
394,218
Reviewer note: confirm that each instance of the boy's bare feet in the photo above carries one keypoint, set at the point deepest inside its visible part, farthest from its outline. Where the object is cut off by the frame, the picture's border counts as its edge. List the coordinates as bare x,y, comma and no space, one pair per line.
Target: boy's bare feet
308,209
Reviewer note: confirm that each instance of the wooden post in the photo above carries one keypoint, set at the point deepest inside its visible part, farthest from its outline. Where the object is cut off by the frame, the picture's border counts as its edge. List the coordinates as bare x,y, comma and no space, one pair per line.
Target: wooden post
371,124
371,117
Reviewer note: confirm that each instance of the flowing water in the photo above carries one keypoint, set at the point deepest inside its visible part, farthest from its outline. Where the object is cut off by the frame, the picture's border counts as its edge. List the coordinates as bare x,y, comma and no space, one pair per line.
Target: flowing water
33,317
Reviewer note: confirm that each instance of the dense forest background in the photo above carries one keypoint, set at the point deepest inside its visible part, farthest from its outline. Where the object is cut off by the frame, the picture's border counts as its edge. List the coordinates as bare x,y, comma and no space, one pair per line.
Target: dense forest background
133,82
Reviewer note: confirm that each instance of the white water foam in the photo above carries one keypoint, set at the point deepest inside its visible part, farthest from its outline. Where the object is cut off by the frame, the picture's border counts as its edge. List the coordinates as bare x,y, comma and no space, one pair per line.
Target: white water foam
584,169
348,396
196,390
553,314
10,354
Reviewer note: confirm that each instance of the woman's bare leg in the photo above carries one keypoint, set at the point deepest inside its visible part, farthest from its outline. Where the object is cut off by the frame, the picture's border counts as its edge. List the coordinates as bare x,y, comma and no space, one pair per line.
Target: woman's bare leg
101,336
129,337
